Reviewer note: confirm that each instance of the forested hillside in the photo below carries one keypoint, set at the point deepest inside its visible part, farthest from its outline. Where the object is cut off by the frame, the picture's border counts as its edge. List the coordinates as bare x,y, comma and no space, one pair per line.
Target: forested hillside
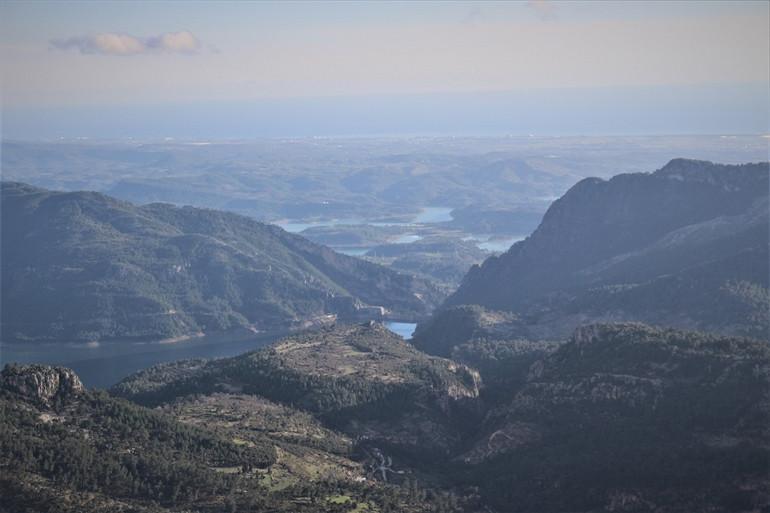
67,449
620,417
84,267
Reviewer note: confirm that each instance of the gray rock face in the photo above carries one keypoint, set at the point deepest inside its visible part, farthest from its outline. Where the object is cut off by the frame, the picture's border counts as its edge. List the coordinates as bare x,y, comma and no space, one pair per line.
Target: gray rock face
685,246
41,383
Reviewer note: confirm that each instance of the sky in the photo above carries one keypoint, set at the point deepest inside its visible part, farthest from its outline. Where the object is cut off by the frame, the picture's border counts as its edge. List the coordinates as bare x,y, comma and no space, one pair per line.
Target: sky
255,69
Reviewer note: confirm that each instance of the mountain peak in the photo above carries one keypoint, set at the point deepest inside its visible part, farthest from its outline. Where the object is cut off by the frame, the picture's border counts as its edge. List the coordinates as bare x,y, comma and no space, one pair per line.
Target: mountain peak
731,177
684,163
606,247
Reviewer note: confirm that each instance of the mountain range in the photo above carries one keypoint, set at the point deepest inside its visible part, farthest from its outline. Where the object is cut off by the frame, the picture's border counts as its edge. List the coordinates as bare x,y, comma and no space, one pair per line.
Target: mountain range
84,267
685,246
621,418
533,389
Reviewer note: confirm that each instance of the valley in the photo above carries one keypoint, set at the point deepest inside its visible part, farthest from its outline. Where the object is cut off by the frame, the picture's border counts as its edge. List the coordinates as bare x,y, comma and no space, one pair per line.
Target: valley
446,256
103,365
371,422
434,205
110,270
615,359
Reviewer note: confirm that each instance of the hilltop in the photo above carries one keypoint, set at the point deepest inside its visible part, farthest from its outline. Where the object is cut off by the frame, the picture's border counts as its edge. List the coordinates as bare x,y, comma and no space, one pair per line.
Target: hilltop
363,380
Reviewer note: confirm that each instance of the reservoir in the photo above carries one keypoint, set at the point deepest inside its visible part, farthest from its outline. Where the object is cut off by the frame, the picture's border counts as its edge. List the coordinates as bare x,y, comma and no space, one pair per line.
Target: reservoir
427,215
404,329
104,365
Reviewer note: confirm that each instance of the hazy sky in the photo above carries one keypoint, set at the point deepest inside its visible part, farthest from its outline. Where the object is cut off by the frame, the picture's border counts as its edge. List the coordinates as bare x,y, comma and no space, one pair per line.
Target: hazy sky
198,69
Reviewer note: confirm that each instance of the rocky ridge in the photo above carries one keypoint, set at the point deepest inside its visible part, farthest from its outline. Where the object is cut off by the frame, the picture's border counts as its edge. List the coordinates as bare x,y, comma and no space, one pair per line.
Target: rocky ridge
42,384
685,246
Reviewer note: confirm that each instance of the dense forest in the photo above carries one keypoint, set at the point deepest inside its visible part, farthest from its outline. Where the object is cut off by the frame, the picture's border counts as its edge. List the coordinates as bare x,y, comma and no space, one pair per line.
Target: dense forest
658,420
87,451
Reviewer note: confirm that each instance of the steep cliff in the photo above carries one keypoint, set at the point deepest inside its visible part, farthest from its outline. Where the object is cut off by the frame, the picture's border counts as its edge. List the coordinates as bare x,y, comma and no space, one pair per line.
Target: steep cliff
684,246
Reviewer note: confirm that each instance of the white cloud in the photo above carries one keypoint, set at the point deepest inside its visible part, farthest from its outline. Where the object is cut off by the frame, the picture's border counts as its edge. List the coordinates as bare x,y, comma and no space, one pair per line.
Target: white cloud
179,42
107,43
400,58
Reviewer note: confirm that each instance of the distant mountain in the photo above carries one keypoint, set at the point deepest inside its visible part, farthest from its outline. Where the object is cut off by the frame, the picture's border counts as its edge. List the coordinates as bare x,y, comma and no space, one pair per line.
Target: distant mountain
85,267
443,260
685,246
309,177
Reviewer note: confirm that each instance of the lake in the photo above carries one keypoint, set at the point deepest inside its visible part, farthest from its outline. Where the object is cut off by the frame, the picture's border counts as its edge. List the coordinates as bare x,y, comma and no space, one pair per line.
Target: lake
407,238
106,364
404,329
352,251
427,215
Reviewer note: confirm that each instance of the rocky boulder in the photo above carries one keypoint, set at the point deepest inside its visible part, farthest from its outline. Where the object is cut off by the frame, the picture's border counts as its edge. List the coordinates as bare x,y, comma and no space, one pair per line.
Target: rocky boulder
43,384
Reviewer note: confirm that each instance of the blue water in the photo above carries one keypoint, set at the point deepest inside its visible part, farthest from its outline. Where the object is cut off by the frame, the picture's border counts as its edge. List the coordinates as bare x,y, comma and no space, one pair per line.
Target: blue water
404,329
362,250
426,216
106,364
352,251
498,245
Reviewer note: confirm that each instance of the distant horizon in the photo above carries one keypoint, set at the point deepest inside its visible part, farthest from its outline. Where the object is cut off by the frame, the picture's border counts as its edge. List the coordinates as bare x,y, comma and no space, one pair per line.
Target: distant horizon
350,137
649,110
218,70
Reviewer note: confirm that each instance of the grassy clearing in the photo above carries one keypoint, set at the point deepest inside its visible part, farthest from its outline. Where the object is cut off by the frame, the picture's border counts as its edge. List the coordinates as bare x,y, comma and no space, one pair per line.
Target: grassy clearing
339,499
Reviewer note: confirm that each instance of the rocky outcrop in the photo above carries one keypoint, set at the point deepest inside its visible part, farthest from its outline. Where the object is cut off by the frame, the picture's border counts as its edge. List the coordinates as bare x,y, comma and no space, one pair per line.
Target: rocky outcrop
660,248
42,384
